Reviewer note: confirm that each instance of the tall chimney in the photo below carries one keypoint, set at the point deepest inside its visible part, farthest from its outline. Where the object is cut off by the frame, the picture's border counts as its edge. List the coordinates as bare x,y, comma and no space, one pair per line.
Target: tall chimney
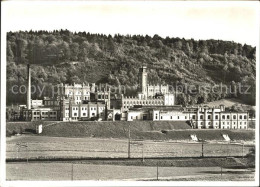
28,87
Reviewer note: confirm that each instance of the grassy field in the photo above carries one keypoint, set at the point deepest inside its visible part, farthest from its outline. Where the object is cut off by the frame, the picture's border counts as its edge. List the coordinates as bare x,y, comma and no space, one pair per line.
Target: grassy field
242,175
64,147
63,171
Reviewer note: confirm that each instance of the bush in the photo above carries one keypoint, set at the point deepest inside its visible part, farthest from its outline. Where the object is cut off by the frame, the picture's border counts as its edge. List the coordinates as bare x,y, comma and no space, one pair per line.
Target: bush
14,132
8,133
251,157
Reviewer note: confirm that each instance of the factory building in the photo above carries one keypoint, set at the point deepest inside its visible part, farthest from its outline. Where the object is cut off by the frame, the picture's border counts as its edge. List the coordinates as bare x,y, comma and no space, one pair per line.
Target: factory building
82,102
83,111
76,92
197,117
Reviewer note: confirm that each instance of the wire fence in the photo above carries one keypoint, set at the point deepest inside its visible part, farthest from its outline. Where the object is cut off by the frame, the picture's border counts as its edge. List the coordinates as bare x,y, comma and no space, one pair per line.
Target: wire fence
124,149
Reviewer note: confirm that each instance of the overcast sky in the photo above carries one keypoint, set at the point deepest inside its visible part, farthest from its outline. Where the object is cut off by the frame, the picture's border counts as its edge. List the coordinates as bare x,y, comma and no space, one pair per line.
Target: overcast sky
235,21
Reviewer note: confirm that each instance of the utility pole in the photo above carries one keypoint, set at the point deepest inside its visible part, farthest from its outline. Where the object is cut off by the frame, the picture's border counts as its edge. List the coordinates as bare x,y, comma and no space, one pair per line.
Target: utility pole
17,151
27,151
228,148
221,170
143,151
202,153
72,171
157,172
129,135
243,150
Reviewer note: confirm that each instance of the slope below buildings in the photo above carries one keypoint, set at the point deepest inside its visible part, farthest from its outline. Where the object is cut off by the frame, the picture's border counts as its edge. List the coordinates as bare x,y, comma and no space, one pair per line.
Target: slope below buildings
147,130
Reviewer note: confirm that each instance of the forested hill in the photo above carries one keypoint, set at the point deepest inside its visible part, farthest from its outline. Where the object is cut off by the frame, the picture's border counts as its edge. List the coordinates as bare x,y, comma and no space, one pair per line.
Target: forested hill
64,56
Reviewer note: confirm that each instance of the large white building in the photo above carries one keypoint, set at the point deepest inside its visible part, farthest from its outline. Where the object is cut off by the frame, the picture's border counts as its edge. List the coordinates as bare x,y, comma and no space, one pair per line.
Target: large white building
148,95
197,117
76,92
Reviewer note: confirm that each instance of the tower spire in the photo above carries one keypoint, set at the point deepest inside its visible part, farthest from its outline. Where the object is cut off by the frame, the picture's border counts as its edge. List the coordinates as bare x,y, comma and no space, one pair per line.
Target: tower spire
142,79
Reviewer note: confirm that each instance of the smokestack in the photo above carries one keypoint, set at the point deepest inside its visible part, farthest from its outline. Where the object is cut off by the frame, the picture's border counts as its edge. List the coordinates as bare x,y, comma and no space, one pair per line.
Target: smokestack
28,87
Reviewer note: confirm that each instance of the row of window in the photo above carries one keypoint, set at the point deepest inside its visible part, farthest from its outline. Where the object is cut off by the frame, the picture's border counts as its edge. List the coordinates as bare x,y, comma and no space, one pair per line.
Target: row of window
228,127
201,117
85,108
156,90
171,117
85,114
44,113
51,103
102,96
223,117
51,117
223,123
79,93
143,102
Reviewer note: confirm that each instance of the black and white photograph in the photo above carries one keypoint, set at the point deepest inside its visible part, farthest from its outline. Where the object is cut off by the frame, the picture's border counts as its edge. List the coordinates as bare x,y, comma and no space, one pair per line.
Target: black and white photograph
129,93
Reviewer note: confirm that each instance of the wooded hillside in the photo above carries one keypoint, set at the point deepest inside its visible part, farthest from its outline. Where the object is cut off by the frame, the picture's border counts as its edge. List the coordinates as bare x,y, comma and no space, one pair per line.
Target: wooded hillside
64,56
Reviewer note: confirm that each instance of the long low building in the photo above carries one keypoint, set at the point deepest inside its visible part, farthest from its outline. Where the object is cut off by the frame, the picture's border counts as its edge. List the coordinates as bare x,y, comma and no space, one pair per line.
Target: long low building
197,117
40,114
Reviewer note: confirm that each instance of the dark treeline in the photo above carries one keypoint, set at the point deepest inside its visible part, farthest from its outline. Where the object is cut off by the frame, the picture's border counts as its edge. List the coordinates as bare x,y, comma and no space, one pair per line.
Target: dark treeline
64,56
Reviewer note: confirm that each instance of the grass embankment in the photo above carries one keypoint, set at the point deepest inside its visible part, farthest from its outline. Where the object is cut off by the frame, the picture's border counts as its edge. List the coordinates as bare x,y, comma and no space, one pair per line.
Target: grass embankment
13,128
139,129
185,162
142,130
212,134
150,130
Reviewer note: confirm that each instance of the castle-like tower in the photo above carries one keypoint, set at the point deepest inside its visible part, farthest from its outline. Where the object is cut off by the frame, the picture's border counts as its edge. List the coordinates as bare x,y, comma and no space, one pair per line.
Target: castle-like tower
142,80
147,91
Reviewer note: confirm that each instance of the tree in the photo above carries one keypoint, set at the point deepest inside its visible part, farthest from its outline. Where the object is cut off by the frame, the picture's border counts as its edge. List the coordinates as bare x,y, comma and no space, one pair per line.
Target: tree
64,53
9,52
178,45
74,48
83,51
181,99
21,45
